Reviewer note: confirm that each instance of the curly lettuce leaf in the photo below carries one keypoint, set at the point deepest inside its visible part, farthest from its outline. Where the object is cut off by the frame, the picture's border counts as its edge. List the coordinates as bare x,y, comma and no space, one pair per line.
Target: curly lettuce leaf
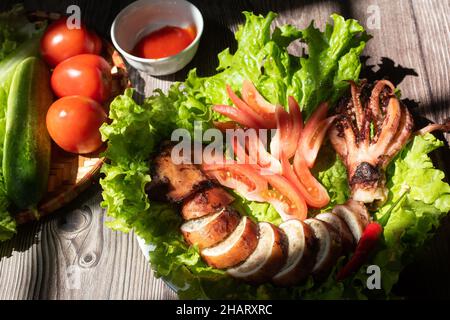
259,211
14,30
333,59
260,57
418,214
263,58
332,174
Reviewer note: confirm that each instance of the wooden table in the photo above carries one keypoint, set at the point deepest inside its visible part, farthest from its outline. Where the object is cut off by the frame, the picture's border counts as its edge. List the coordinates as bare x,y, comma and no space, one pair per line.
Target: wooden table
410,45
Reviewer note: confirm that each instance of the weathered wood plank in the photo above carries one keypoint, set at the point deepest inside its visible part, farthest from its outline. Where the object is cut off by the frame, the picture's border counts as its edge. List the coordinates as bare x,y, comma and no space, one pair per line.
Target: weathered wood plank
433,29
394,38
74,256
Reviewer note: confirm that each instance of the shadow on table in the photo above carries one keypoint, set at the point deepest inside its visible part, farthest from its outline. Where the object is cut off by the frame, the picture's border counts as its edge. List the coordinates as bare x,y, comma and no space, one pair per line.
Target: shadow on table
19,242
69,220
386,69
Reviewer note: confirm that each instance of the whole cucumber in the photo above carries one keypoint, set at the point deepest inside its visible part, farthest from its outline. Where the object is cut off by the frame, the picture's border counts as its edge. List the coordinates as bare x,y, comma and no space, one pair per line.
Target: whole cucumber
26,154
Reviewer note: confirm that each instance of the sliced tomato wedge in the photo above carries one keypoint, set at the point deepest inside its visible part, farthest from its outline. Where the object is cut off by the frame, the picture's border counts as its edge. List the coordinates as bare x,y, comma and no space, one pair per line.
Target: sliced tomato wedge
237,116
281,137
258,103
268,123
242,178
285,198
289,128
312,190
240,153
296,127
268,163
313,134
256,154
226,125
255,100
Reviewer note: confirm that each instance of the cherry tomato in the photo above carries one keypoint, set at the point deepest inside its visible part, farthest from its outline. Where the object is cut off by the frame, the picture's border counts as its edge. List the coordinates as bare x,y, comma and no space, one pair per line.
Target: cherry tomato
73,123
60,43
97,42
86,75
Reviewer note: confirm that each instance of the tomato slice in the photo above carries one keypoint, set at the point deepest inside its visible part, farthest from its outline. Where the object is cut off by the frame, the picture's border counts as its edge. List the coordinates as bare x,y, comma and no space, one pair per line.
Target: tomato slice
313,134
256,154
226,125
247,181
289,128
283,131
268,163
285,198
243,178
237,115
240,153
312,190
257,117
296,127
256,101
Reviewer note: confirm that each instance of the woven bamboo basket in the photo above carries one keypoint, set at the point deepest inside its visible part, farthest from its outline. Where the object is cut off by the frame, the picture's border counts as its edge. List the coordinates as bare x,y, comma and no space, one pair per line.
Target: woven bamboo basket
71,174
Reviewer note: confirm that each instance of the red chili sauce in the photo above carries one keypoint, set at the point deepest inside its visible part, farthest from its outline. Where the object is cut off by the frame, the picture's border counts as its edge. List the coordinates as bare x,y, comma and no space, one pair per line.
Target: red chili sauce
164,42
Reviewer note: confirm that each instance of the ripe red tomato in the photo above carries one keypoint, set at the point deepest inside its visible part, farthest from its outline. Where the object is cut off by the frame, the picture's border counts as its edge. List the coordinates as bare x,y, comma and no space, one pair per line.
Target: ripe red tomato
97,42
73,123
60,43
86,75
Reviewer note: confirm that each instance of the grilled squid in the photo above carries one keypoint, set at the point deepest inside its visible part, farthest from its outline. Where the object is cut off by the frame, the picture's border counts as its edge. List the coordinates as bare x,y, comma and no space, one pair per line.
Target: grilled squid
370,129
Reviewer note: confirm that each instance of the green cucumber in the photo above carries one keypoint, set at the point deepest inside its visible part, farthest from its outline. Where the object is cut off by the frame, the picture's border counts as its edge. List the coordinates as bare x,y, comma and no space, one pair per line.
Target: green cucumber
26,154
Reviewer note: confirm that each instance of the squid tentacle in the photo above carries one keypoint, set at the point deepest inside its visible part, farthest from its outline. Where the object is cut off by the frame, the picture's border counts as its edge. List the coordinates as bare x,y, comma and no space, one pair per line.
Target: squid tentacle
369,143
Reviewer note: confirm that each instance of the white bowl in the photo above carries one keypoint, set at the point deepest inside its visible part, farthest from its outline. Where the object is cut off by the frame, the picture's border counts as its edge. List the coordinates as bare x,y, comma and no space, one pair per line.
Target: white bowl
144,16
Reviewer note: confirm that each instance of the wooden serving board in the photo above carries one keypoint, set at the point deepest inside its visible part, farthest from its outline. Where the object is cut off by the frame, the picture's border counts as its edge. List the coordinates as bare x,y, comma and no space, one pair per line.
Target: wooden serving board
71,174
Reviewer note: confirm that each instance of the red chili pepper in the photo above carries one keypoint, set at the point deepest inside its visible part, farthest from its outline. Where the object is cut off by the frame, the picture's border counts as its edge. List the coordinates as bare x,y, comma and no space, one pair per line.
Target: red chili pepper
366,245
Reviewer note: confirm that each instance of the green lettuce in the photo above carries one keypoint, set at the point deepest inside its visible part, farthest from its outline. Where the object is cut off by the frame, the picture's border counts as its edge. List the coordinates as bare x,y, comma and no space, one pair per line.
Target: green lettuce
419,212
15,29
332,174
333,57
333,60
263,58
